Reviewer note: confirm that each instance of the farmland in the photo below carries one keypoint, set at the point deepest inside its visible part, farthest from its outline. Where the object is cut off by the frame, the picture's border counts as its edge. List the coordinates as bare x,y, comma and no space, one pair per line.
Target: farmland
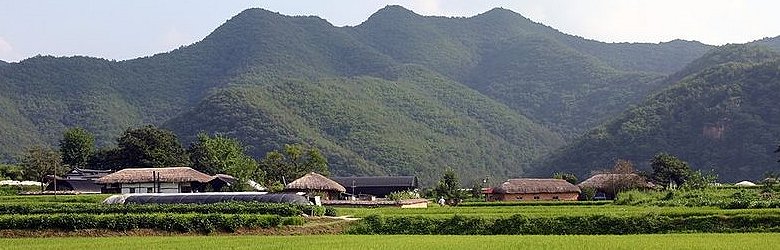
661,241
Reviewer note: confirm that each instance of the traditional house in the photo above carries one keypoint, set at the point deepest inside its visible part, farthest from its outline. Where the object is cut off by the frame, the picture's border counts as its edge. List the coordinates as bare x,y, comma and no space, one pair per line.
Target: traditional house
223,183
78,181
608,185
155,180
379,186
316,184
534,190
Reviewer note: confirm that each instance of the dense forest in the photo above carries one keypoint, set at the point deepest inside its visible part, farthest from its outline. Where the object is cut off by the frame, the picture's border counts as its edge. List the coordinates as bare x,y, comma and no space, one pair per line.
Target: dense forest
721,116
401,93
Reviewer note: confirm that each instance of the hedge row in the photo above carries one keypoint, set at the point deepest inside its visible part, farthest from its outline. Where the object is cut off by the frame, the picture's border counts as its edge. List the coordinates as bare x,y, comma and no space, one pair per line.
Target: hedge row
224,208
535,203
203,223
592,224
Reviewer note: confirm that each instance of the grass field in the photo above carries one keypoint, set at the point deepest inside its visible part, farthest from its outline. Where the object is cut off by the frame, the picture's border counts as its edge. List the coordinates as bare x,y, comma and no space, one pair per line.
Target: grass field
332,242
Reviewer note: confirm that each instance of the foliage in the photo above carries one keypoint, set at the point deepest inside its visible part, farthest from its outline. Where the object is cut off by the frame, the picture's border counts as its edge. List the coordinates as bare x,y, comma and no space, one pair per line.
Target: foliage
567,224
76,147
449,187
94,208
718,116
149,146
433,242
588,193
202,223
402,195
10,172
568,177
292,163
223,155
669,171
40,161
725,198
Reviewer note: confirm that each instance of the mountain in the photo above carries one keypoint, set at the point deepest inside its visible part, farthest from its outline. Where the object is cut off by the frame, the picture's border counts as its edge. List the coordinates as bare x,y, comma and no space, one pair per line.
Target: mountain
412,121
400,93
723,116
771,42
530,67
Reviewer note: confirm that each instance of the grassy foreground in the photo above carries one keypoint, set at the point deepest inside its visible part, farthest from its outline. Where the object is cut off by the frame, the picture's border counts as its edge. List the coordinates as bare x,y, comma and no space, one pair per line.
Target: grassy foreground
330,242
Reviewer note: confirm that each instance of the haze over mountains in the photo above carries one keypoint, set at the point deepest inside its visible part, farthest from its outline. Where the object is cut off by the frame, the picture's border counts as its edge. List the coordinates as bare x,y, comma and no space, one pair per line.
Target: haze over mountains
404,94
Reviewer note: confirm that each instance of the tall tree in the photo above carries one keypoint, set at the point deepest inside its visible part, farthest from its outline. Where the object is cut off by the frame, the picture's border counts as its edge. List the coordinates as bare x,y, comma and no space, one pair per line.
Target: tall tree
76,147
669,170
40,161
293,162
149,146
449,186
220,154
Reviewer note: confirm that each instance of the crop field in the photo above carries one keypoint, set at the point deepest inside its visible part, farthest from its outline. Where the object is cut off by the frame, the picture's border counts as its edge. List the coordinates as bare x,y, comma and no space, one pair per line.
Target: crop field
332,242
505,211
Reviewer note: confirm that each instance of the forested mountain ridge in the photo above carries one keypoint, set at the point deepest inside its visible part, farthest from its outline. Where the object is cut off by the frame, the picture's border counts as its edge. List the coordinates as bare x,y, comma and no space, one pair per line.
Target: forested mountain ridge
399,94
721,117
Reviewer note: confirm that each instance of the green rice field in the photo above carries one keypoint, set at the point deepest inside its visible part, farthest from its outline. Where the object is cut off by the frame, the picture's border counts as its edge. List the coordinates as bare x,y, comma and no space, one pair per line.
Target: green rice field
332,242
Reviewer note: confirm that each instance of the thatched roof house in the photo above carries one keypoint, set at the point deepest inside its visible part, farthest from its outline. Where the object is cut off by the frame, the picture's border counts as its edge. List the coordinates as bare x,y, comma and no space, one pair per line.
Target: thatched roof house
534,189
607,185
316,183
155,180
604,180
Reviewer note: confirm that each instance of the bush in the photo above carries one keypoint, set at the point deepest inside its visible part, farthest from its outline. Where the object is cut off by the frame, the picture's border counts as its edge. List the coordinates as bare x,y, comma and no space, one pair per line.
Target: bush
203,223
222,208
586,224
402,195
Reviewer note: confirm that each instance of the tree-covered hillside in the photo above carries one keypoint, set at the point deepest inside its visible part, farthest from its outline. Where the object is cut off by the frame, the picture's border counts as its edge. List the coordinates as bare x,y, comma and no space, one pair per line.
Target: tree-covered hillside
411,121
723,117
399,94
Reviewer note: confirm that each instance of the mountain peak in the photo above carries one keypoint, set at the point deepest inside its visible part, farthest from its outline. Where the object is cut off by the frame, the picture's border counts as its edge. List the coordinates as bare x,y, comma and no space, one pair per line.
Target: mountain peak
392,12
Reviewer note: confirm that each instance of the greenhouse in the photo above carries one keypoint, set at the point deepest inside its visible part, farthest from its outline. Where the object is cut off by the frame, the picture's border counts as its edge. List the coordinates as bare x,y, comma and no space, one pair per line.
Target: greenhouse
206,198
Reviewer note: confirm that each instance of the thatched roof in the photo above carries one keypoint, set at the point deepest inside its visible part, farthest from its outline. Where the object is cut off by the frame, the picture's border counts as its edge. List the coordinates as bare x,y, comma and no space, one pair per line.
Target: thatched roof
600,181
140,175
315,181
535,186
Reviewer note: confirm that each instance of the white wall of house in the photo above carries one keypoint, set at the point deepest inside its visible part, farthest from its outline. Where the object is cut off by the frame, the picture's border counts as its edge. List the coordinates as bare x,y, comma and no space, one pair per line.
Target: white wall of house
149,187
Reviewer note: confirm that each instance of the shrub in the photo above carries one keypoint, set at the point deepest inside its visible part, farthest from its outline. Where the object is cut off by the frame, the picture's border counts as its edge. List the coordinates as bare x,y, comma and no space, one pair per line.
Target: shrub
203,223
586,224
224,208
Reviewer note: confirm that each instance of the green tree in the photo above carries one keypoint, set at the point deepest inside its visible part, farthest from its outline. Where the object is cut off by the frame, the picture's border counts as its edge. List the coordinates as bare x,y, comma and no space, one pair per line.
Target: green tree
40,161
12,172
449,187
569,177
669,170
76,147
149,146
220,154
292,163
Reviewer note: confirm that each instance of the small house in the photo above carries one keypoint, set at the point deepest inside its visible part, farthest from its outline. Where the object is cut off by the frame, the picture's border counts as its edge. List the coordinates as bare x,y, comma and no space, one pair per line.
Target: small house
155,180
379,186
526,189
315,184
608,185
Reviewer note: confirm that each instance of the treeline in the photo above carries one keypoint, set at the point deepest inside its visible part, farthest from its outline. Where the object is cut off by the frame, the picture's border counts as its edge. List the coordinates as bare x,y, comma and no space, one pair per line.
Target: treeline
150,146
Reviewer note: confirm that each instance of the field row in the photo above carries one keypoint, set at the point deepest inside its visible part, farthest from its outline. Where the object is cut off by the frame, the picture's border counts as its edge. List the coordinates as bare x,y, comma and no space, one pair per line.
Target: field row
334,242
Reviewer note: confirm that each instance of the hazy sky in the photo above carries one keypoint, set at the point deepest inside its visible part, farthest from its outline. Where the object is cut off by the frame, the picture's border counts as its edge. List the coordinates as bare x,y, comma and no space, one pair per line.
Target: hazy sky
120,30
